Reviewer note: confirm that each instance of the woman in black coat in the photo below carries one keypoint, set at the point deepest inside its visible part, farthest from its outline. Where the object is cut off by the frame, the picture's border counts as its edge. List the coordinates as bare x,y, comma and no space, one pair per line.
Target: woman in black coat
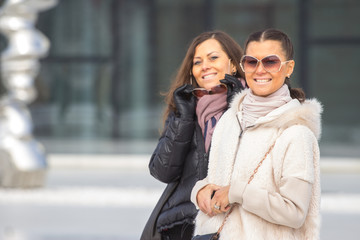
208,77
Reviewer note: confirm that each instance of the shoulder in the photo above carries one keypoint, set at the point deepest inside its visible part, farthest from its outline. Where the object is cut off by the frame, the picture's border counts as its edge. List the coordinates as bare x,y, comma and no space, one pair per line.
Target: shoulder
299,149
298,133
238,98
307,114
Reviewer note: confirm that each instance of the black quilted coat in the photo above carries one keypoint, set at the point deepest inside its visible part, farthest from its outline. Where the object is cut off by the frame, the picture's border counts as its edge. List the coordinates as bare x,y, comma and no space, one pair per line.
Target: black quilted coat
180,160
179,156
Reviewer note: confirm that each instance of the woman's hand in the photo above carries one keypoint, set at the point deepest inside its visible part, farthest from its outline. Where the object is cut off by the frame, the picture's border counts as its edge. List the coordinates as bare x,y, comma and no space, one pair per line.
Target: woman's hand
220,201
203,198
234,86
185,102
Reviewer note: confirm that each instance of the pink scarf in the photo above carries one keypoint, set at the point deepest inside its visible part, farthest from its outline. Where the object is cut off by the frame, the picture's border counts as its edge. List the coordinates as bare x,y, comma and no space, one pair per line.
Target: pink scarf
255,107
207,107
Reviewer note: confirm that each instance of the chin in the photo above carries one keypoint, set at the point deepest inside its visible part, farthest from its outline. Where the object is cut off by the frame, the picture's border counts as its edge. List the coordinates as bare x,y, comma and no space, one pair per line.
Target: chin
208,86
261,94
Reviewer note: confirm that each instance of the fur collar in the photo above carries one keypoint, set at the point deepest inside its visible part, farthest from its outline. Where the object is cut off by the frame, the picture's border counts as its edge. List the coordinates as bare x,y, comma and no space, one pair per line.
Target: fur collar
292,113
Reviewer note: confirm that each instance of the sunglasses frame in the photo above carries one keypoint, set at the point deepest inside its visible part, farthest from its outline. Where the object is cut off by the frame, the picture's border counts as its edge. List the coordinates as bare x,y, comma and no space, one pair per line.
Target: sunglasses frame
257,64
209,92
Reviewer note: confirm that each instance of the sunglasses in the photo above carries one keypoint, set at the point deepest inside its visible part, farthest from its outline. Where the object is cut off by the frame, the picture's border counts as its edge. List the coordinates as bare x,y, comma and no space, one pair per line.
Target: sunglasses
271,63
200,92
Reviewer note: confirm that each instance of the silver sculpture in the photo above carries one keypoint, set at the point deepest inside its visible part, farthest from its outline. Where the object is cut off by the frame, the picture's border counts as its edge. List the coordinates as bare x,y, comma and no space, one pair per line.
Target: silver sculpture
22,158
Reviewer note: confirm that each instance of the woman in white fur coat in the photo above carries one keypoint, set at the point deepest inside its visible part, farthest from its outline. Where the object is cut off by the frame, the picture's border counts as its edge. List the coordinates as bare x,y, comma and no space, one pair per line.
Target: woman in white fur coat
283,199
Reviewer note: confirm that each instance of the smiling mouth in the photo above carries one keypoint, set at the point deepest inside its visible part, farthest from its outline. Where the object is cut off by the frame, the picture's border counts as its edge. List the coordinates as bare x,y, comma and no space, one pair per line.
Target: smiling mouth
209,76
262,80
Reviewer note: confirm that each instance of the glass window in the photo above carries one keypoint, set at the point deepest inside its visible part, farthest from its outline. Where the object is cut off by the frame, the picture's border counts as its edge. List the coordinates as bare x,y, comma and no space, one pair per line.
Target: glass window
108,63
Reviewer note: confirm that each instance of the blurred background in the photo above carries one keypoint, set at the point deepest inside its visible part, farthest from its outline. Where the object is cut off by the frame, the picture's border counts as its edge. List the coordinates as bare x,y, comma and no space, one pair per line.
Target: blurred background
99,106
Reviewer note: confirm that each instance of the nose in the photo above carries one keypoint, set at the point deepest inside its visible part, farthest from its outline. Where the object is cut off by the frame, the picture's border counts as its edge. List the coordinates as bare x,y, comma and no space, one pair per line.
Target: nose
205,65
260,68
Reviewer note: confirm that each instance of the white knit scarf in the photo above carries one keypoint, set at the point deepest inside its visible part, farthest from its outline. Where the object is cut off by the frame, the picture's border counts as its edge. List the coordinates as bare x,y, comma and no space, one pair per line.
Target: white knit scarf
255,107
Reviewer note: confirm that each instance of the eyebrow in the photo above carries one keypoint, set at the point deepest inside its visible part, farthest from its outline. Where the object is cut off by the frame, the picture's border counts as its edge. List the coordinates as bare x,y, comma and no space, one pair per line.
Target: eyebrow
208,54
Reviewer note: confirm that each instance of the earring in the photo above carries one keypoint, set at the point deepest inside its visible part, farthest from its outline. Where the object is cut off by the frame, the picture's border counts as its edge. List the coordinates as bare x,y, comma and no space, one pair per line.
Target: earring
234,73
190,78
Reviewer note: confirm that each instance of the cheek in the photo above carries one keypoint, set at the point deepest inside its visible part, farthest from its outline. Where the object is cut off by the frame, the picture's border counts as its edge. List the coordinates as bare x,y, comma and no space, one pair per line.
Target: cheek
248,76
224,68
280,77
197,76
195,72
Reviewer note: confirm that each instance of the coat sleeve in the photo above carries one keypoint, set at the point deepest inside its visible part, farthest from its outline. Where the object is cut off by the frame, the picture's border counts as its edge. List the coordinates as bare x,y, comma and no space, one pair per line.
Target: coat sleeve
198,186
167,161
289,205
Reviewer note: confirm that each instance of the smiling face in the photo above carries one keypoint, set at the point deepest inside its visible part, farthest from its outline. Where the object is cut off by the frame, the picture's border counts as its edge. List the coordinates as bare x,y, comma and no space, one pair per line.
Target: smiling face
261,82
210,64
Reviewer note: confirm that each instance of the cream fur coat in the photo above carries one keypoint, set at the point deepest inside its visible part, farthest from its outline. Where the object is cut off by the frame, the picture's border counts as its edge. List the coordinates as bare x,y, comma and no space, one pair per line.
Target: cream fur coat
295,129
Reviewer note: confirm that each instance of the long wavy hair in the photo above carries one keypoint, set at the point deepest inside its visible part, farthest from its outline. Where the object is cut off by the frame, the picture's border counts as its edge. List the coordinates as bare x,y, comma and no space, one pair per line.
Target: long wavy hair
184,74
287,46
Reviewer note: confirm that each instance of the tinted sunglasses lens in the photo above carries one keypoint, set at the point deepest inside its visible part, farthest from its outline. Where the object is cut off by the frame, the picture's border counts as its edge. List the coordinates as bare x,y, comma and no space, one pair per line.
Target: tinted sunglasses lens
271,63
200,92
214,90
249,63
218,89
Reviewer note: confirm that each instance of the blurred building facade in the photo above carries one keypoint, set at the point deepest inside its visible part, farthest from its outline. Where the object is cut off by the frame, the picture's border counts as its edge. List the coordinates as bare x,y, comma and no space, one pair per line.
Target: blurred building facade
99,88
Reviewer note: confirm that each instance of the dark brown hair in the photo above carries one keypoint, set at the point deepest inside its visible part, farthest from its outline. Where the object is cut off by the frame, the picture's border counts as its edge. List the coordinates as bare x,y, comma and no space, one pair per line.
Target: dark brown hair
183,76
287,46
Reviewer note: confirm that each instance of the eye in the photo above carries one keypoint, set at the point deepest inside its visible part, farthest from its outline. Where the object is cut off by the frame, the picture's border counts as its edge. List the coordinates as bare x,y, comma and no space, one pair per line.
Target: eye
271,60
251,62
213,58
196,63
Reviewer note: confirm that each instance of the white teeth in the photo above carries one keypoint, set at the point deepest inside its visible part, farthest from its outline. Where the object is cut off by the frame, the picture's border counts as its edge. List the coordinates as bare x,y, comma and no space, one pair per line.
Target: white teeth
208,76
262,81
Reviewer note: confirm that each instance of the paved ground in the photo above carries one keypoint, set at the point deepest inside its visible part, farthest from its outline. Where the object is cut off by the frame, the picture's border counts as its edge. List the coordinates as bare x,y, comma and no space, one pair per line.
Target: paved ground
109,197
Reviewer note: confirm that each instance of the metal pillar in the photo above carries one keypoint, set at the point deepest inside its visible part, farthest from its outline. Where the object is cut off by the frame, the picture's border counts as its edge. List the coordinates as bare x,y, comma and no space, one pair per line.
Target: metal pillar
22,158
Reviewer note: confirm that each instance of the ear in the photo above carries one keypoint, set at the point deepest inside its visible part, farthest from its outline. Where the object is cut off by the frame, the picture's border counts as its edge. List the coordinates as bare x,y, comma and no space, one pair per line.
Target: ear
233,67
290,67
